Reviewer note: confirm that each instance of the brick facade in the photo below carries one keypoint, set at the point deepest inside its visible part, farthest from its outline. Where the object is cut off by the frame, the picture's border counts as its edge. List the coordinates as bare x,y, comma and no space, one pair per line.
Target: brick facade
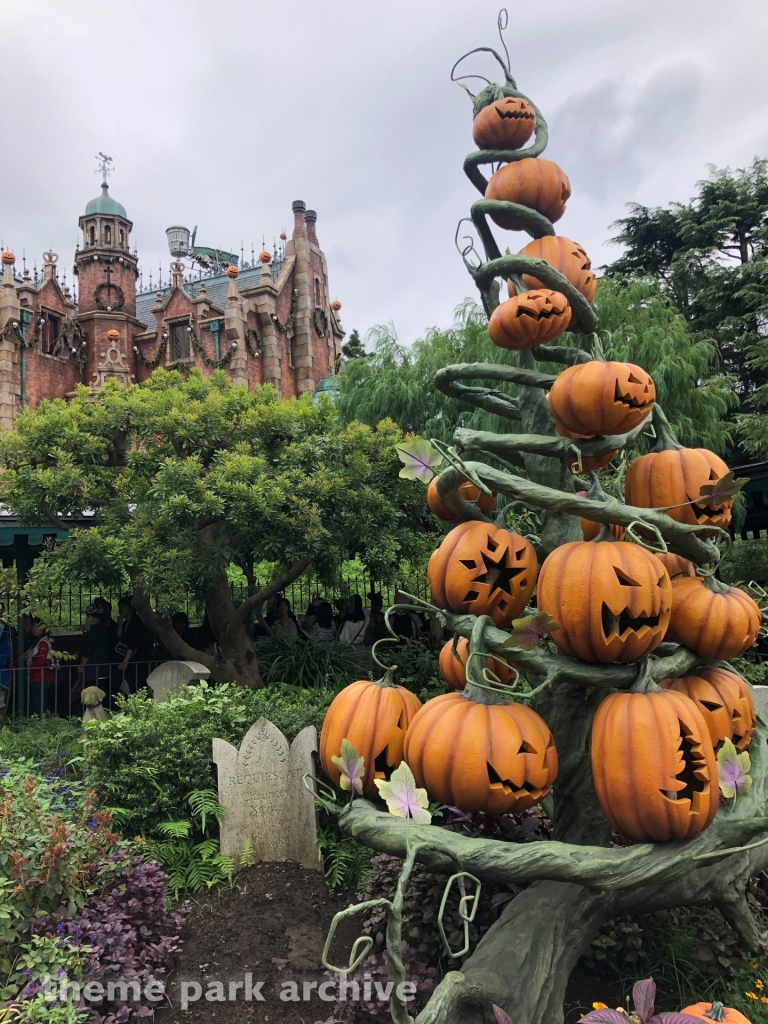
49,343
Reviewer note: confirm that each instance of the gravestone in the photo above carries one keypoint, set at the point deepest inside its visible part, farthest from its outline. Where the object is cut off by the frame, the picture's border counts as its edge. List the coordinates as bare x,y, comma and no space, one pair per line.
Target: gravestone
760,694
172,675
261,785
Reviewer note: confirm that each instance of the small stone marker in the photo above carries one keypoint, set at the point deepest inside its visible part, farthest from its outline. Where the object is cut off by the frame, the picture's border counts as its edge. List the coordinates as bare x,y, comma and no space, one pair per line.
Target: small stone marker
760,694
262,788
172,675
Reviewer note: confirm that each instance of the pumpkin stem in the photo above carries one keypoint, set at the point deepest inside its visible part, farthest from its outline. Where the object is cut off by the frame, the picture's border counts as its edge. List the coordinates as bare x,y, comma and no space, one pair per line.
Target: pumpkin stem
389,678
711,582
715,1012
644,682
665,438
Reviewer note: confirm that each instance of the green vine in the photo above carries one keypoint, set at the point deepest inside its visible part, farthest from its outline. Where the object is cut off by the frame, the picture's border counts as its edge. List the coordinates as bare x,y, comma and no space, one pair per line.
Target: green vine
97,297
215,364
150,364
285,327
253,333
320,315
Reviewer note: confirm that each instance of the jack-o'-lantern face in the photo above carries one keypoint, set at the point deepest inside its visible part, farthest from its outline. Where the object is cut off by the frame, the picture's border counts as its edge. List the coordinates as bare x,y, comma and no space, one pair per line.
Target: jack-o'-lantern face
613,600
675,478
724,701
654,766
481,569
564,255
596,399
505,124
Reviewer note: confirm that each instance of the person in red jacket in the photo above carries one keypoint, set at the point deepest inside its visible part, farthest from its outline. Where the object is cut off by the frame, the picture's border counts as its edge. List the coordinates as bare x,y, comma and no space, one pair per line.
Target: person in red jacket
41,672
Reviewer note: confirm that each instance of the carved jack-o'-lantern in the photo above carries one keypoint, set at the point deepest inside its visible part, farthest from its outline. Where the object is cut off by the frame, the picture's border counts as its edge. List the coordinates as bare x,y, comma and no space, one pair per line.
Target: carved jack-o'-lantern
595,399
374,717
713,619
8,258
590,529
654,766
453,664
467,491
725,703
536,183
675,477
566,256
530,319
505,124
612,600
490,757
481,569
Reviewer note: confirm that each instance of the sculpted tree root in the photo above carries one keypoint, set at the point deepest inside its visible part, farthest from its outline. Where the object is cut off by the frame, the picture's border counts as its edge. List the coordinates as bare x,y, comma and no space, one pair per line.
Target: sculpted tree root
576,882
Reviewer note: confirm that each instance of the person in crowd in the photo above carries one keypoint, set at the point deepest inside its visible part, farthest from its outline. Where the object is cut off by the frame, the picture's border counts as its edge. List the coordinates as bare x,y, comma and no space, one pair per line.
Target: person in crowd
131,636
204,637
377,625
286,620
41,670
309,618
97,652
324,628
356,623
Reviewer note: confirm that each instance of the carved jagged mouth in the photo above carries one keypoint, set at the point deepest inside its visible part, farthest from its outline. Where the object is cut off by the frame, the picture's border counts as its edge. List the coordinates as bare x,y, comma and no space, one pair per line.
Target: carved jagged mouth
702,513
625,623
635,403
496,782
694,771
514,115
544,314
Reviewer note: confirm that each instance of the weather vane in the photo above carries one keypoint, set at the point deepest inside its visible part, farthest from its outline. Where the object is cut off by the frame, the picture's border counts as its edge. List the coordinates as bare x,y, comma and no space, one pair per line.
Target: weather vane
104,168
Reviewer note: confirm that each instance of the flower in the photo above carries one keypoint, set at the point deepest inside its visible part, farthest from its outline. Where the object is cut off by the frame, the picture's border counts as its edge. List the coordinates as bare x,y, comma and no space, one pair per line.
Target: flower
758,984
599,1006
750,995
754,964
764,999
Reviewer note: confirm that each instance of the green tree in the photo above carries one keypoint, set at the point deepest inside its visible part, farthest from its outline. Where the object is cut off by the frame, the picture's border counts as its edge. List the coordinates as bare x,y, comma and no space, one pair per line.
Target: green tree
354,348
187,476
711,256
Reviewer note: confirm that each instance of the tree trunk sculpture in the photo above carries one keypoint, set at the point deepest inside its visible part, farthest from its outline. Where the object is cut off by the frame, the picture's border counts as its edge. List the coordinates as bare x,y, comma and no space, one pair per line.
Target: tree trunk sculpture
576,882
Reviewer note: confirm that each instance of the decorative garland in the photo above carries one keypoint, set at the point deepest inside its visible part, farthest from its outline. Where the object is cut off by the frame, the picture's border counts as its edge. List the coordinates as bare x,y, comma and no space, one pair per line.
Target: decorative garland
215,364
151,364
97,297
252,333
292,317
70,329
321,315
106,259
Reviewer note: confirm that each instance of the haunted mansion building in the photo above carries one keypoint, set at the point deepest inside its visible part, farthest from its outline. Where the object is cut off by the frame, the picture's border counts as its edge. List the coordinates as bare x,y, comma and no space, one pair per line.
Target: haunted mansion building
267,322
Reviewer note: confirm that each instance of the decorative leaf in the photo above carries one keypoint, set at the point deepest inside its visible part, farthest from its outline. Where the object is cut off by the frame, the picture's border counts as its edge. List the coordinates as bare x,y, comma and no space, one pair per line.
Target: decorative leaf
644,997
499,1015
732,769
352,768
604,1017
420,460
722,489
674,1017
527,632
402,796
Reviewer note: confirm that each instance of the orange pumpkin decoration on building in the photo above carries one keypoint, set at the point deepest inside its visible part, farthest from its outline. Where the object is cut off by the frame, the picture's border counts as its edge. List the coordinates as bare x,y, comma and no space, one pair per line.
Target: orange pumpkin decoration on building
453,664
675,477
654,766
492,757
677,566
724,701
713,619
374,717
467,491
612,600
595,399
716,1012
566,256
506,124
529,319
534,182
481,569
590,529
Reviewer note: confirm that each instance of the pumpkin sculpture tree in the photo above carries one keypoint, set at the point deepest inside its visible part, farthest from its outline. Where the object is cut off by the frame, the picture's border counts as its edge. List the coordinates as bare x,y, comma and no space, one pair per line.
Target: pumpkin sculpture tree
625,752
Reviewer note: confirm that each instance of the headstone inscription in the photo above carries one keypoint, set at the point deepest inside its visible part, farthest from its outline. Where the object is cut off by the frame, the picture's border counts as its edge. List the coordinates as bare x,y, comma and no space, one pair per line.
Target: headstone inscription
267,805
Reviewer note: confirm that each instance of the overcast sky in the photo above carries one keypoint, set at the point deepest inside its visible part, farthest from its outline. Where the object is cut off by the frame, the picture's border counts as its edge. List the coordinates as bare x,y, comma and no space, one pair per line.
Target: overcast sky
221,113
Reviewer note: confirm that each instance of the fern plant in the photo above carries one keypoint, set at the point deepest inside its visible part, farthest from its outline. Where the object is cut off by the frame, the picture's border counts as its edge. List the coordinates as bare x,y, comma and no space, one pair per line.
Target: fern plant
193,863
346,862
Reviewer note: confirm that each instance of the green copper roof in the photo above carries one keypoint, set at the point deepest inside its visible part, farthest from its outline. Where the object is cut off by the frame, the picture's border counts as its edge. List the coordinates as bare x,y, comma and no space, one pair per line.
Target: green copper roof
105,204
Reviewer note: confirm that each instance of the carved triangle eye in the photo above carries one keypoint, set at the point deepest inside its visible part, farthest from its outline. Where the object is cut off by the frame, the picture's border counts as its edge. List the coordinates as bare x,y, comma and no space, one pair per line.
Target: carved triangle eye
624,579
712,706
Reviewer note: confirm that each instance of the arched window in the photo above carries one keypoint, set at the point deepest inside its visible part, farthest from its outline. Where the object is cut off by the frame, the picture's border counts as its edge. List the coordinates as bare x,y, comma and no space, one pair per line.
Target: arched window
107,235
317,292
92,235
122,239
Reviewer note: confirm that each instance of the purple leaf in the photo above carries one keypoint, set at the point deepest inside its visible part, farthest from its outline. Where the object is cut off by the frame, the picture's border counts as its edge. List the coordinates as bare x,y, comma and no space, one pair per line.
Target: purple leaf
403,797
604,1017
722,490
644,997
527,632
351,768
419,459
674,1017
732,769
500,1016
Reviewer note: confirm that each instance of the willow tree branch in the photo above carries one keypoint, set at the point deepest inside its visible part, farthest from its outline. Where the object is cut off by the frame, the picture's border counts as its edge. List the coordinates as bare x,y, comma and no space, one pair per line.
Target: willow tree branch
691,541
542,271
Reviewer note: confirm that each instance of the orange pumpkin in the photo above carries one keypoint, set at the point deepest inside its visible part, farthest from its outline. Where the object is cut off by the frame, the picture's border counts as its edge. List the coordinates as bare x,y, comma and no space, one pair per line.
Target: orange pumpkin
481,569
590,529
677,566
676,478
505,124
589,464
374,717
725,703
653,766
595,399
495,758
716,1012
467,491
566,256
534,182
612,600
712,619
453,665
530,319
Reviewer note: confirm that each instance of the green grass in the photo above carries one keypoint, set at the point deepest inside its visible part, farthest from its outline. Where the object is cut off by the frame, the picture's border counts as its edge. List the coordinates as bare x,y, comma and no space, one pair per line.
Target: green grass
48,739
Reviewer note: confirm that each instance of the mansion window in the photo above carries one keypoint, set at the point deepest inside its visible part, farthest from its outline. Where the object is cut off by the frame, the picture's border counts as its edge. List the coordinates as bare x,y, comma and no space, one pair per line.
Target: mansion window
107,235
317,293
50,334
179,337
92,235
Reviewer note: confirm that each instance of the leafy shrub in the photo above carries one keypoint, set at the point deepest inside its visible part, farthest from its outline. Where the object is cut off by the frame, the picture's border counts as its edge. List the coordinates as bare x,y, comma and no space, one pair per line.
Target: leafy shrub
747,560
417,668
372,972
346,861
49,740
284,658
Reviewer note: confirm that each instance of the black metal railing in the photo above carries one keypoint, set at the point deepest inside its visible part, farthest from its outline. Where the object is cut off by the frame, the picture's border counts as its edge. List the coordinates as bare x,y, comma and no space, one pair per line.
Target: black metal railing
57,690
